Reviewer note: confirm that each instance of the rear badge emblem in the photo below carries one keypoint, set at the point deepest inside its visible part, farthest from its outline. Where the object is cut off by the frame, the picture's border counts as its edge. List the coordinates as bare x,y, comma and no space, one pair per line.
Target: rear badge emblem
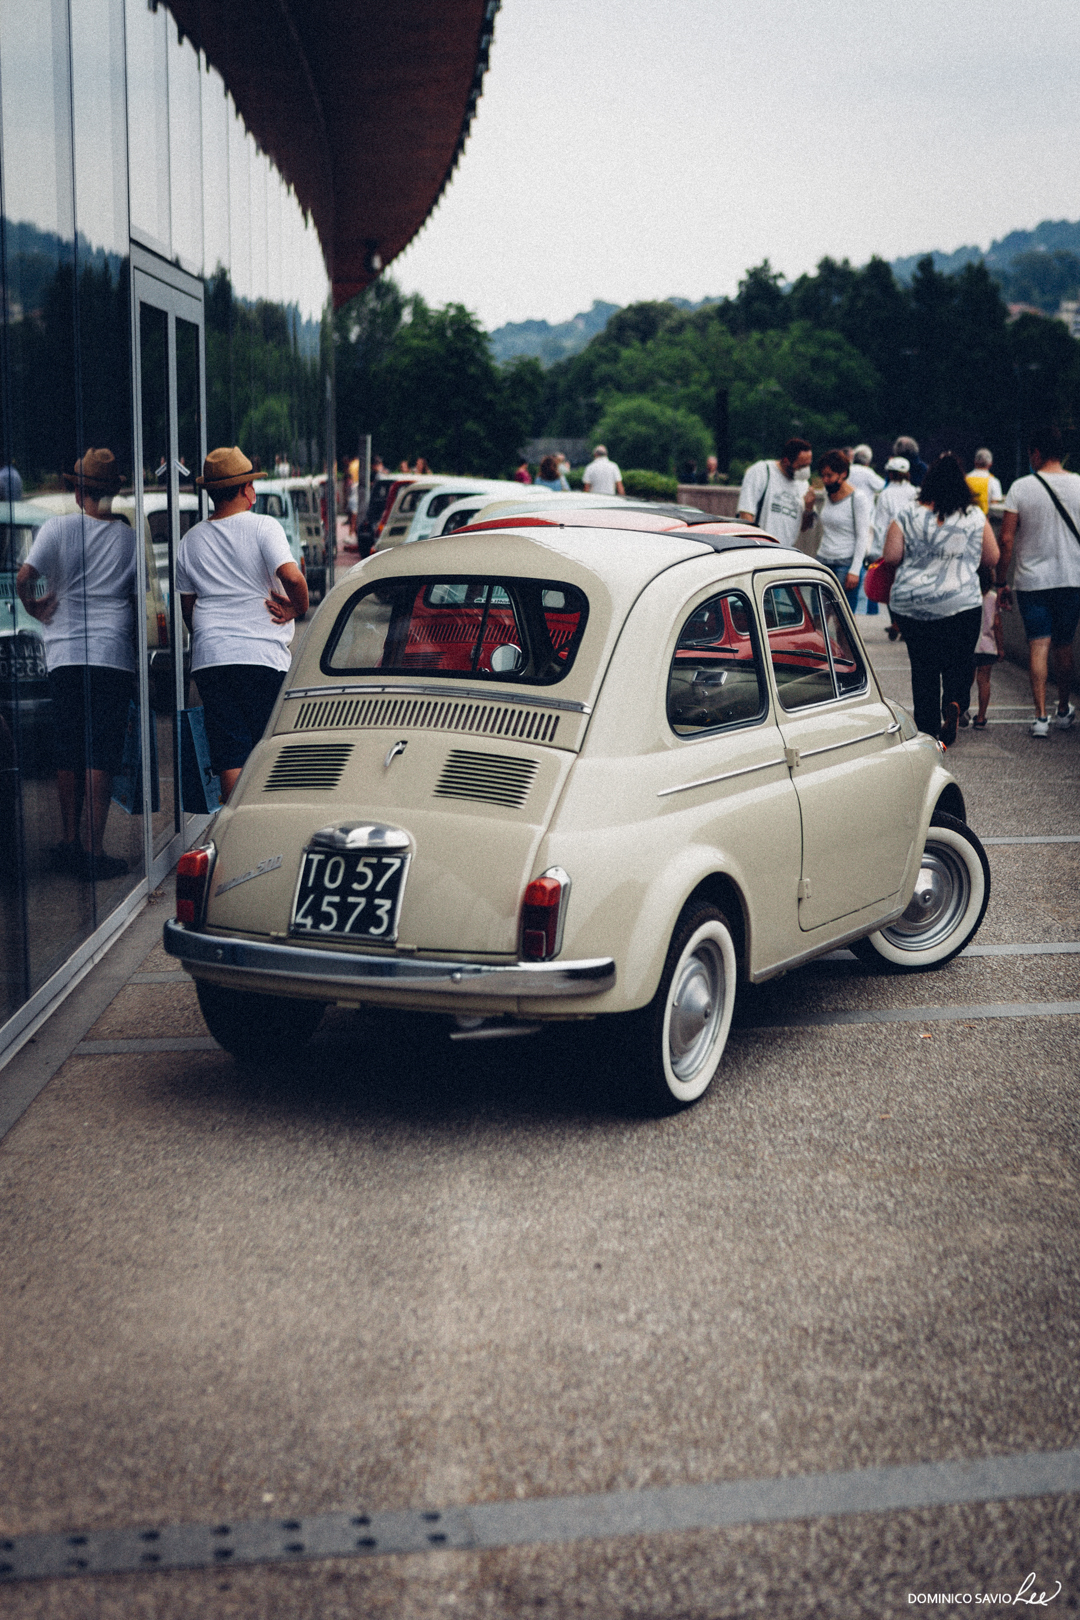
271,864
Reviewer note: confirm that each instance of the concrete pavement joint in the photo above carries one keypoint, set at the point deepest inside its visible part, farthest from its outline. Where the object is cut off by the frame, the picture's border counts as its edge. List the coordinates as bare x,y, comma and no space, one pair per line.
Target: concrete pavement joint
919,1015
541,1520
161,1043
1048,838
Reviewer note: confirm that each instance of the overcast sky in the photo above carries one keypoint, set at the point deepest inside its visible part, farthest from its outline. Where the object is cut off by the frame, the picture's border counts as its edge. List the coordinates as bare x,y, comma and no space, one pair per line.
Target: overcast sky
628,149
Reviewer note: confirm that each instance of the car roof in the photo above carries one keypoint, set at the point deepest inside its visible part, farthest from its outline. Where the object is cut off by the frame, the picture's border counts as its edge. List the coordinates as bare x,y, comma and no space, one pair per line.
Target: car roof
24,514
642,517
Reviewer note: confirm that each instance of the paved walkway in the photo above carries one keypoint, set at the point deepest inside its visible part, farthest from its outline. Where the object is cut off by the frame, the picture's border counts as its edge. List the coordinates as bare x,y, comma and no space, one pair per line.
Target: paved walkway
808,1349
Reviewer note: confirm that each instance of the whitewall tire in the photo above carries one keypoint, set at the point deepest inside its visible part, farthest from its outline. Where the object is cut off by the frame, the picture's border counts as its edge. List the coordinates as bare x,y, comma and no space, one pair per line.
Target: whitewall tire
951,894
681,1035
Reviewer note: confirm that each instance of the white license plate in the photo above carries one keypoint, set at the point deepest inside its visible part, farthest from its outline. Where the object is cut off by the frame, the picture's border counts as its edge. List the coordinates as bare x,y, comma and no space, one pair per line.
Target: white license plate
354,895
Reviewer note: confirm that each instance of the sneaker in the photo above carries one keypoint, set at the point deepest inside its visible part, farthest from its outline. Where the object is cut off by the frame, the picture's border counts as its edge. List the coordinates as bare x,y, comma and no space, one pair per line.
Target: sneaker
1064,721
965,718
102,868
950,723
1040,727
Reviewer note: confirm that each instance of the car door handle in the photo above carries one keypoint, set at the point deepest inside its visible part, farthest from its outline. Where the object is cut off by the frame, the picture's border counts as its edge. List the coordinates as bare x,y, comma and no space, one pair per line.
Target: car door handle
890,731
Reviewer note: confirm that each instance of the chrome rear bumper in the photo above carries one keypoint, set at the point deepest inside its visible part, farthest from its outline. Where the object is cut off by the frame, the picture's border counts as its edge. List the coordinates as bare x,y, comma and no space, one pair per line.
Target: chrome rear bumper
350,969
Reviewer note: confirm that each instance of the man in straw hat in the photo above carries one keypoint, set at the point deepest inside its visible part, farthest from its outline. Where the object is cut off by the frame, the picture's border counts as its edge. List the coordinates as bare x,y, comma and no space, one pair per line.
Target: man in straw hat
87,560
241,625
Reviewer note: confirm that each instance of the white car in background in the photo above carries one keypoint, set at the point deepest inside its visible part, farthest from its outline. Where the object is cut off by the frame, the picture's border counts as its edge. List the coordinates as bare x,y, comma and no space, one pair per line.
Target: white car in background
295,503
419,509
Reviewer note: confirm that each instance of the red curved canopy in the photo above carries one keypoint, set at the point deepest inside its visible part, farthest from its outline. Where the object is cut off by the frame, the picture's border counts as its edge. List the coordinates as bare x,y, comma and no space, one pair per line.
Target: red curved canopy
363,105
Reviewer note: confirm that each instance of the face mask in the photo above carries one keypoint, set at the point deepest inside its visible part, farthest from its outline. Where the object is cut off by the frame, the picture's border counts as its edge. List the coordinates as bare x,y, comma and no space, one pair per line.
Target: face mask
802,475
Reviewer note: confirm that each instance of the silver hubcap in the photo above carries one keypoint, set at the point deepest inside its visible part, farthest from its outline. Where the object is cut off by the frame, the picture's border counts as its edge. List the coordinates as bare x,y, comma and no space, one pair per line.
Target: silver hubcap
942,894
697,1007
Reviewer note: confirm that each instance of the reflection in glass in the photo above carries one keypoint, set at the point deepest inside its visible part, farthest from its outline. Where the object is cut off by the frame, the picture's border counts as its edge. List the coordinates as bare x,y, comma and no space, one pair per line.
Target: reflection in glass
100,116
185,152
259,169
148,121
241,148
159,530
215,167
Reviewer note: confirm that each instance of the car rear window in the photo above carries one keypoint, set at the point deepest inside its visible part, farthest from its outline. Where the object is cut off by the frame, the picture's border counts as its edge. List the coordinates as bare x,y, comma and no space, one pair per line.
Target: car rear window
481,628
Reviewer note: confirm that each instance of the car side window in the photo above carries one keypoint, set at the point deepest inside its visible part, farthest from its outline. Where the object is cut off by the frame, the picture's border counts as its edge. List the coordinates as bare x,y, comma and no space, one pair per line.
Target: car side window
848,670
812,655
716,677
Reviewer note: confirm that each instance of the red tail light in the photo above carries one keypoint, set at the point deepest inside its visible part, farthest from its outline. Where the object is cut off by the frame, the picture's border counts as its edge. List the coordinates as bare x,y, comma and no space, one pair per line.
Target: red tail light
192,881
542,914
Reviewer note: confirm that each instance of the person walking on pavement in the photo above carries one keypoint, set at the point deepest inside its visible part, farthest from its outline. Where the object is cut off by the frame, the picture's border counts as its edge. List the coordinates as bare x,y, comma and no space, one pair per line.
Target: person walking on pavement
908,447
939,542
898,491
87,561
1042,526
523,475
981,481
601,476
845,524
862,474
776,495
241,625
548,475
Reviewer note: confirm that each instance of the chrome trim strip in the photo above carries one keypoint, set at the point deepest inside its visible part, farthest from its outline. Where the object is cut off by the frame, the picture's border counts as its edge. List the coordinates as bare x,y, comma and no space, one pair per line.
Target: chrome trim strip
849,742
471,694
347,968
707,781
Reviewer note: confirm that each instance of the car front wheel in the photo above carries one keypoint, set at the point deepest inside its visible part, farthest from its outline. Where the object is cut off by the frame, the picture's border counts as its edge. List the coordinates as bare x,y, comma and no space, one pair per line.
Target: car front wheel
679,1038
255,1028
951,894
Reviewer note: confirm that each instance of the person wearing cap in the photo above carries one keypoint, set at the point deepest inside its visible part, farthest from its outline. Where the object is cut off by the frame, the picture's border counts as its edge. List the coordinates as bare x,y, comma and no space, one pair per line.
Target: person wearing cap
601,476
861,472
899,491
227,573
87,612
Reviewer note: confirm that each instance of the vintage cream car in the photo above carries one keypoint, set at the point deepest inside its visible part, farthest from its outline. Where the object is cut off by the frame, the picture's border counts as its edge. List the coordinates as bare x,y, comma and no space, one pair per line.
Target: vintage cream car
544,770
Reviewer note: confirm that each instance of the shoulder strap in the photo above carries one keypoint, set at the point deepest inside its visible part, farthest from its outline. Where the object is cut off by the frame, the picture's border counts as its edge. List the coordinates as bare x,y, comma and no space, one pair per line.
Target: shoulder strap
1070,525
765,491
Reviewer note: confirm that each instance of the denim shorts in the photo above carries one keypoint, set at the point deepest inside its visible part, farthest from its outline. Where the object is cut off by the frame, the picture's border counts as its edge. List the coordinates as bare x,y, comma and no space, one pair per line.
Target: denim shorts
1054,613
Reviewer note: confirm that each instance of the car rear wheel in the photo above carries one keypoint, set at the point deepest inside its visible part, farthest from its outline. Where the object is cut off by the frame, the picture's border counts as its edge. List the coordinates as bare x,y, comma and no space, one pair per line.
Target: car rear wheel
679,1038
951,894
255,1028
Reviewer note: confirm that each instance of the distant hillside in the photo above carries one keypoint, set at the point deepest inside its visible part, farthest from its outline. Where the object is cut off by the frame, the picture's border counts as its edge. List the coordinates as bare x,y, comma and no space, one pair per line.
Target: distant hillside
1051,236
551,343
1038,267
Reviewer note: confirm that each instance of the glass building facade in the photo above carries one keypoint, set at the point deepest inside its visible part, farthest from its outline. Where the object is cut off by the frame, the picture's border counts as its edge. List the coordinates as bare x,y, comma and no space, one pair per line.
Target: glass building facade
162,293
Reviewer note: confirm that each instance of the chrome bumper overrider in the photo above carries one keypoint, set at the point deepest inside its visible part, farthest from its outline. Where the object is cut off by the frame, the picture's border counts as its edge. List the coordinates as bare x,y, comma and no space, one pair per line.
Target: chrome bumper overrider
349,969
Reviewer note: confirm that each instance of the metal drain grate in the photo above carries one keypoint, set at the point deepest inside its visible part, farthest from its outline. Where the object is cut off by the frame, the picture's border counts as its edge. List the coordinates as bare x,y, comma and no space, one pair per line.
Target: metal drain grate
308,767
490,778
427,714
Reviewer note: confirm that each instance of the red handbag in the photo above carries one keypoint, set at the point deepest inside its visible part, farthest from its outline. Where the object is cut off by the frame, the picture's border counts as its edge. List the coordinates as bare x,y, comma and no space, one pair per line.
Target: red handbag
878,581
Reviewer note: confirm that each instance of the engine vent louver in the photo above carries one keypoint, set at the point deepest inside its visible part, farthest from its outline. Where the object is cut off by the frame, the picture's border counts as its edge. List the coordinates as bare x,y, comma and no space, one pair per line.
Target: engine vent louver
490,778
427,714
305,767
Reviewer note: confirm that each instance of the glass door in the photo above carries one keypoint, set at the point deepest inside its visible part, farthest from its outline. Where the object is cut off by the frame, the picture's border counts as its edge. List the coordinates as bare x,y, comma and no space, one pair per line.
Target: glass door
170,450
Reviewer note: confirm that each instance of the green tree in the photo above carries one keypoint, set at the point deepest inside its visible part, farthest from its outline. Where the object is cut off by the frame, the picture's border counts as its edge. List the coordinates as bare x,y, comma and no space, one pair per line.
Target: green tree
641,432
440,394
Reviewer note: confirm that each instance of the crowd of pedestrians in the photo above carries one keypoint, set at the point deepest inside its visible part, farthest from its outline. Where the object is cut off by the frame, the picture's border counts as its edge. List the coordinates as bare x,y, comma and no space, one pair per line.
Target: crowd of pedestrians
951,582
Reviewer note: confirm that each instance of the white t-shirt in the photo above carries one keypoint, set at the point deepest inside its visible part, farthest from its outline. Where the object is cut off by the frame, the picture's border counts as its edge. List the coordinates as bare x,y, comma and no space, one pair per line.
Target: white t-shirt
230,566
891,501
774,501
601,476
90,565
845,529
864,477
1047,555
